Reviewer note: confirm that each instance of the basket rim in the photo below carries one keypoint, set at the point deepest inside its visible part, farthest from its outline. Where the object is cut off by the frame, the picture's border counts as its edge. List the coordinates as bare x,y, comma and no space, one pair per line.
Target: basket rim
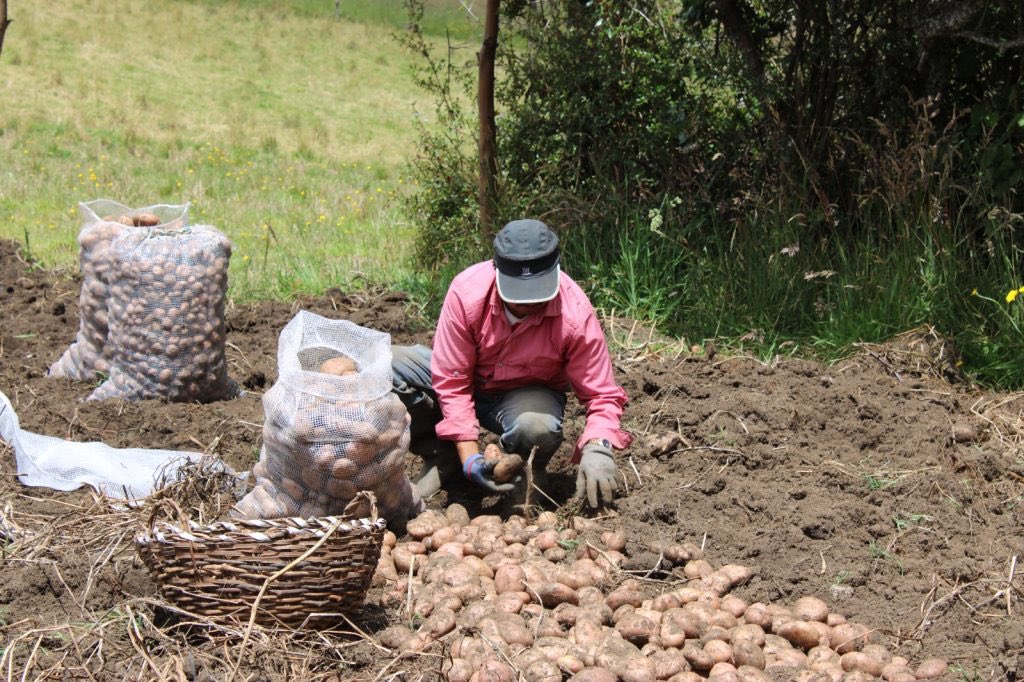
258,530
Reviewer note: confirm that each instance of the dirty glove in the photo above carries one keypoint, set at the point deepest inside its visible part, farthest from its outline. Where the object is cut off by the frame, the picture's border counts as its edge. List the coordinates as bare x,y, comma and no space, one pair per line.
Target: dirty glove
597,474
481,472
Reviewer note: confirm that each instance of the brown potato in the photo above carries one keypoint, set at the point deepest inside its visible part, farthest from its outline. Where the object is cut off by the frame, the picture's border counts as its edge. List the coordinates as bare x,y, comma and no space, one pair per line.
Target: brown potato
507,467
757,614
931,668
546,539
791,658
857,660
495,671
552,594
811,608
555,554
614,539
746,652
441,536
587,634
849,637
723,671
636,628
145,219
293,489
339,366
458,670
624,595
543,671
426,524
668,663
748,673
898,672
594,675
570,664
509,578
697,657
510,602
395,637
341,489
508,627
457,515
800,633
697,568
439,624
820,655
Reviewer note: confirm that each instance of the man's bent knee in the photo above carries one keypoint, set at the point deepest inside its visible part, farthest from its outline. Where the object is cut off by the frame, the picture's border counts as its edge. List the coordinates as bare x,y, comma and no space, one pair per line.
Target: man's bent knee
534,429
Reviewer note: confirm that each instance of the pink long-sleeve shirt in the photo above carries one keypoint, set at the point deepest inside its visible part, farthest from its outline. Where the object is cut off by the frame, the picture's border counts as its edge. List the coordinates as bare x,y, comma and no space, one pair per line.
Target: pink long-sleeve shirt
562,347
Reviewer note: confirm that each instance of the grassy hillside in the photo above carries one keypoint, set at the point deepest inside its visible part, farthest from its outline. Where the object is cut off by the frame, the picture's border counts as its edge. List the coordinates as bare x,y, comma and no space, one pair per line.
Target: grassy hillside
282,126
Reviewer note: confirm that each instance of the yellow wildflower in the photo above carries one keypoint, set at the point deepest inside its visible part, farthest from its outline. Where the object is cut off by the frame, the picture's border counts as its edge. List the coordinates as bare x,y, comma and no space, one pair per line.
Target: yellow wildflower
1012,295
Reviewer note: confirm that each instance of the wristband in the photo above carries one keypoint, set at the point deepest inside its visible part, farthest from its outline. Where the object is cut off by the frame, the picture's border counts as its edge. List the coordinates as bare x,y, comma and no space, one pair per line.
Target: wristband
467,467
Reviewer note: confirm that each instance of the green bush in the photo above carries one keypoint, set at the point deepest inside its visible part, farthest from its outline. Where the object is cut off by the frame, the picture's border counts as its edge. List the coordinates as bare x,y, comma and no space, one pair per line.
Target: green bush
776,178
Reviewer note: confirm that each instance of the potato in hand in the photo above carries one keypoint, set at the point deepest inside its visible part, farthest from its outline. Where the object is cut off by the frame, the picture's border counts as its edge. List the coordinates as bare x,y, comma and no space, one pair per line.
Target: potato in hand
506,467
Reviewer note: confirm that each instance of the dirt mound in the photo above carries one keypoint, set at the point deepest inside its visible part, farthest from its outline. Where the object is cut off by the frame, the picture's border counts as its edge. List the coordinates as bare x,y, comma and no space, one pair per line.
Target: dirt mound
895,496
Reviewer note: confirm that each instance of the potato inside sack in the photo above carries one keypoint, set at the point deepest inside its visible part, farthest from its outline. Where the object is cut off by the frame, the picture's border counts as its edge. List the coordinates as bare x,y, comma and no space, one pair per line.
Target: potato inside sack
348,427
169,341
340,366
87,359
143,219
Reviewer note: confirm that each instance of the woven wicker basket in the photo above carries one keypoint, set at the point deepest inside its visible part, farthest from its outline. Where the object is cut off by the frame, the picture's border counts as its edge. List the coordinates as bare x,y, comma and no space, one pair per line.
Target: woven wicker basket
217,571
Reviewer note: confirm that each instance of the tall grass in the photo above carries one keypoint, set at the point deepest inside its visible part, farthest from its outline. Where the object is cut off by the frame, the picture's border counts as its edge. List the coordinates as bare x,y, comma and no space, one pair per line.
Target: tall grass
921,250
282,126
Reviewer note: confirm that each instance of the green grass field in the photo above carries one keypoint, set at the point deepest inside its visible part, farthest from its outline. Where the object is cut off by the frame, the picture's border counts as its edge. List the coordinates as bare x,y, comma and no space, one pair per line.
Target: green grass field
282,126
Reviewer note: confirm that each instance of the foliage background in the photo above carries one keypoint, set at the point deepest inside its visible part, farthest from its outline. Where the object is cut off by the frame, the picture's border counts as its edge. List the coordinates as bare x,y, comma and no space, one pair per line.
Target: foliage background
779,176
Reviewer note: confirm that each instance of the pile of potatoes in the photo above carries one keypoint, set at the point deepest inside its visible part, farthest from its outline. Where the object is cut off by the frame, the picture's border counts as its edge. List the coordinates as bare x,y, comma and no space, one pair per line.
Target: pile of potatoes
89,357
166,325
322,445
543,602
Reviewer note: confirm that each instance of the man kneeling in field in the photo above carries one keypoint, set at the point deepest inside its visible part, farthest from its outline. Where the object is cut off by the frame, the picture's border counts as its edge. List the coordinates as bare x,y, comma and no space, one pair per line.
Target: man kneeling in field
514,336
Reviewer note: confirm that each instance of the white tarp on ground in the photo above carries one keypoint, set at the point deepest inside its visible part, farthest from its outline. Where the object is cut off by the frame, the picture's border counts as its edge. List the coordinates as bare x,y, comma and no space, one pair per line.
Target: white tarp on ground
120,473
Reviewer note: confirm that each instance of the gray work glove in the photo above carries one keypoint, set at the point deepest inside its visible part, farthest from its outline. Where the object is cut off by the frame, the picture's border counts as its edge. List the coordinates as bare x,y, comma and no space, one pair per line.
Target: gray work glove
597,475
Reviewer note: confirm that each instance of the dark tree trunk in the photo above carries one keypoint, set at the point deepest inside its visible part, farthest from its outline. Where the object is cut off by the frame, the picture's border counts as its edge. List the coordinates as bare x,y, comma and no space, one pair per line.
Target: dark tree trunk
488,152
730,13
4,23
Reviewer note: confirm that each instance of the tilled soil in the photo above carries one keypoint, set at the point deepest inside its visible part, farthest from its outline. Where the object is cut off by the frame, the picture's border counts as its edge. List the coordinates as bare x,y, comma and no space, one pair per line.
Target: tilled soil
873,483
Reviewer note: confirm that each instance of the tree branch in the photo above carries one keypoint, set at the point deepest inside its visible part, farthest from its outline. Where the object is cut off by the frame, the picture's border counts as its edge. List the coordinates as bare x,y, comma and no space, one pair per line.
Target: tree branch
1001,45
952,19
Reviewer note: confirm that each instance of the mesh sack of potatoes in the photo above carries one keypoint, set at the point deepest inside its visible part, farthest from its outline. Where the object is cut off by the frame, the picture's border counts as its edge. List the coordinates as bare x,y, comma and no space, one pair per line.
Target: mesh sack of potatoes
332,426
166,316
88,358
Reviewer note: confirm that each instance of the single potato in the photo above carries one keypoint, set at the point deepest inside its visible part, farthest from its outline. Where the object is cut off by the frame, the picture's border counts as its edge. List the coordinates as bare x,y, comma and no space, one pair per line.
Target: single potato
340,366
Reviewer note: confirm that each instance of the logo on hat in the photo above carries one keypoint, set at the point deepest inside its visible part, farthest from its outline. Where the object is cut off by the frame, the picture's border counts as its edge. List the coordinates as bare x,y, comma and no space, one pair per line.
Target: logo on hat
526,272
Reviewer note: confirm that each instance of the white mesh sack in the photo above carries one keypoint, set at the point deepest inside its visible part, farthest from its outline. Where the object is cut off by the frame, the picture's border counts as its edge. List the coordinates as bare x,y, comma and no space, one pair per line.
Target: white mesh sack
88,358
333,427
166,316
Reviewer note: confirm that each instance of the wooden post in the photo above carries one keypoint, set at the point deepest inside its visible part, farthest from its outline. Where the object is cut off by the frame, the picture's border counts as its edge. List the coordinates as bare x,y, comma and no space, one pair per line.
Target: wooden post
4,23
337,9
487,147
